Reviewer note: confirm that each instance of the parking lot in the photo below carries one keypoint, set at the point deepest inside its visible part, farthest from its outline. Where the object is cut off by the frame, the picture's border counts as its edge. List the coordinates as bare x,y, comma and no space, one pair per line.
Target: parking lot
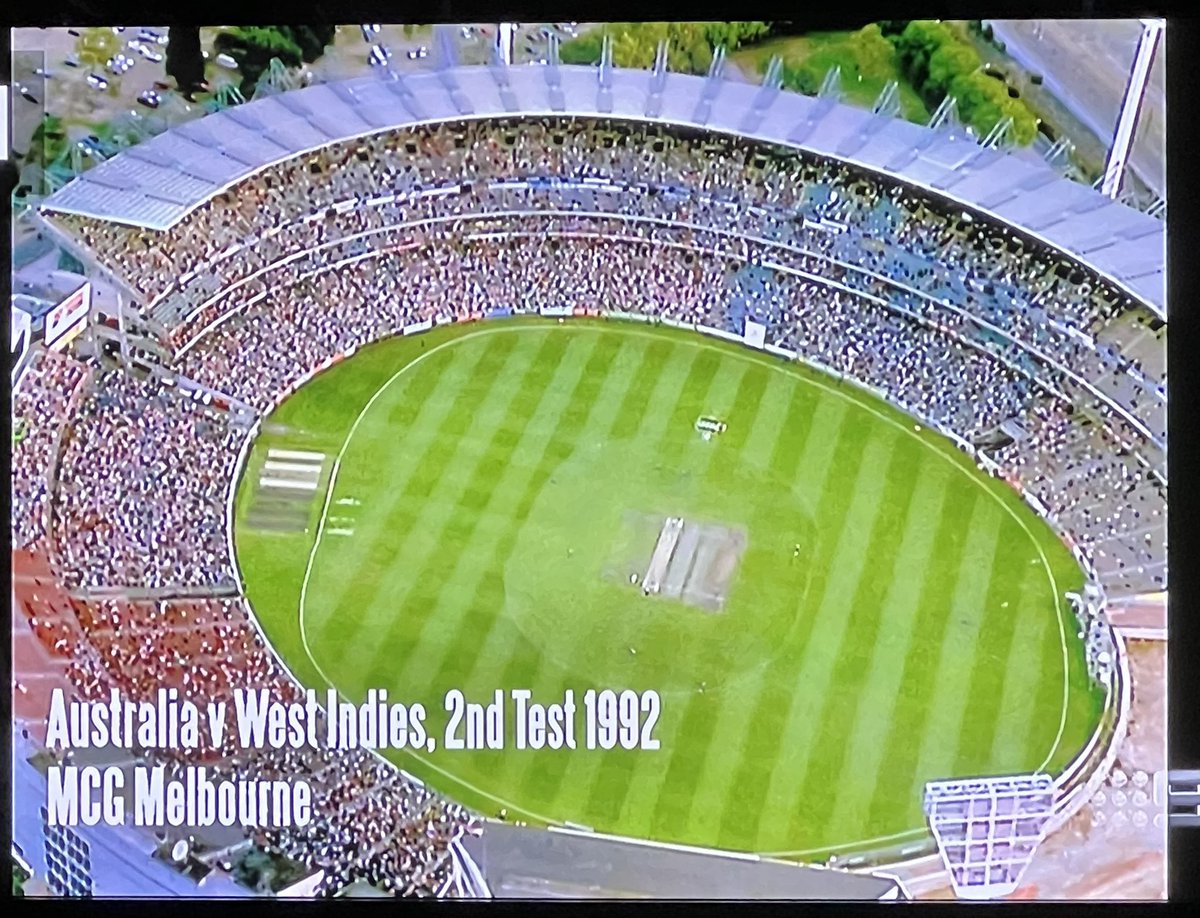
52,73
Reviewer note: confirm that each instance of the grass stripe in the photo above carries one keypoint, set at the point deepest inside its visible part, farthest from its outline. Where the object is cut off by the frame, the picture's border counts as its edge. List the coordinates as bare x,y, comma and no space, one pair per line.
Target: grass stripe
1033,626
922,671
329,627
477,571
818,665
960,644
781,718
856,654
977,730
579,355
440,468
899,614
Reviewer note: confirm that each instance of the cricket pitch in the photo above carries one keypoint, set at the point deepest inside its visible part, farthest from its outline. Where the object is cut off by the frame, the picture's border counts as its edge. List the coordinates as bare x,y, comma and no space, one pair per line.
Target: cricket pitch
694,563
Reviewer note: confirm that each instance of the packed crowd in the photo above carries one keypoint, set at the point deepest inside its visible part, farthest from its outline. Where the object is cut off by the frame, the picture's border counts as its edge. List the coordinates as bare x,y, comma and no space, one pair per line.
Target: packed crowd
371,821
645,172
140,500
1100,492
375,823
262,351
203,648
42,403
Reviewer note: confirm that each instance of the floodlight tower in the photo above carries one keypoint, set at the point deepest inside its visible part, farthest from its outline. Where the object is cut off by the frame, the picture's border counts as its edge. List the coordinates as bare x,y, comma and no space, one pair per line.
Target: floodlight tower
1131,107
505,37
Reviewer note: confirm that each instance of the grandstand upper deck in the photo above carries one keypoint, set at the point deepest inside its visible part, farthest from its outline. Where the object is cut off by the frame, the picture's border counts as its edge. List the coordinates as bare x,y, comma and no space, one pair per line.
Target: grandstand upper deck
157,184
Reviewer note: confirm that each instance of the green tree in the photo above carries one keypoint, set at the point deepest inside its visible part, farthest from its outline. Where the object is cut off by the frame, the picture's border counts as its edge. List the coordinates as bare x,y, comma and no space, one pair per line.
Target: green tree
874,54
312,40
185,59
690,50
48,143
1025,123
735,34
803,77
919,41
938,63
635,44
984,102
253,47
583,50
255,870
947,63
19,874
95,47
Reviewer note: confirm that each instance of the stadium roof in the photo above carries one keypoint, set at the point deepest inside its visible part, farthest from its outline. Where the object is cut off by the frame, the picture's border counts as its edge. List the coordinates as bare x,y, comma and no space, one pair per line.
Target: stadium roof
158,182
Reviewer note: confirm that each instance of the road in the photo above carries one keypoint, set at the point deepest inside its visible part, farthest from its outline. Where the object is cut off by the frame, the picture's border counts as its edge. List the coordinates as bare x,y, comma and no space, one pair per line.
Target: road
1086,63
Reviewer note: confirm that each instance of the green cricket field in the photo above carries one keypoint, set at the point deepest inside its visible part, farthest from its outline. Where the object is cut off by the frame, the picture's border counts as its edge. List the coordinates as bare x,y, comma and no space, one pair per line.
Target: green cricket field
481,506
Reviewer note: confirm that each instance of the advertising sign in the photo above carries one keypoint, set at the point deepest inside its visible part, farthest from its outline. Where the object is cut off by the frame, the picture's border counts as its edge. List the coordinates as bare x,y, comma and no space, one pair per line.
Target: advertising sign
68,318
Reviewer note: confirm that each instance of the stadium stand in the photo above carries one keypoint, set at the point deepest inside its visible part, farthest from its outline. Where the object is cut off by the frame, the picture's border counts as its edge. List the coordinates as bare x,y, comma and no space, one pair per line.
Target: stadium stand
269,240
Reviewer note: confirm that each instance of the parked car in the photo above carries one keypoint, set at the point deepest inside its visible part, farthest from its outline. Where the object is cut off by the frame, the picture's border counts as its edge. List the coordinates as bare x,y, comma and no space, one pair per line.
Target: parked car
28,96
149,35
72,61
97,82
379,56
417,54
369,32
149,98
120,64
147,53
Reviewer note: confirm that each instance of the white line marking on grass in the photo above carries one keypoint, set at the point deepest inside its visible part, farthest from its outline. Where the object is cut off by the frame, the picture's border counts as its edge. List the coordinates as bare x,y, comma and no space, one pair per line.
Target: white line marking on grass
295,454
308,469
775,364
865,843
285,484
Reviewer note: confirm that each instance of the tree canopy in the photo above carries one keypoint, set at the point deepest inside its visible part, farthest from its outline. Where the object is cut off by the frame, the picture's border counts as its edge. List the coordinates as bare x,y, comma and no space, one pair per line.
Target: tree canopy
95,47
690,44
939,63
253,48
49,141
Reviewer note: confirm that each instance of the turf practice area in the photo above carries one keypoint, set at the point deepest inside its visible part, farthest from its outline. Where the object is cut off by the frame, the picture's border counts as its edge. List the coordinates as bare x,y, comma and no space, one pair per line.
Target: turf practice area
890,615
